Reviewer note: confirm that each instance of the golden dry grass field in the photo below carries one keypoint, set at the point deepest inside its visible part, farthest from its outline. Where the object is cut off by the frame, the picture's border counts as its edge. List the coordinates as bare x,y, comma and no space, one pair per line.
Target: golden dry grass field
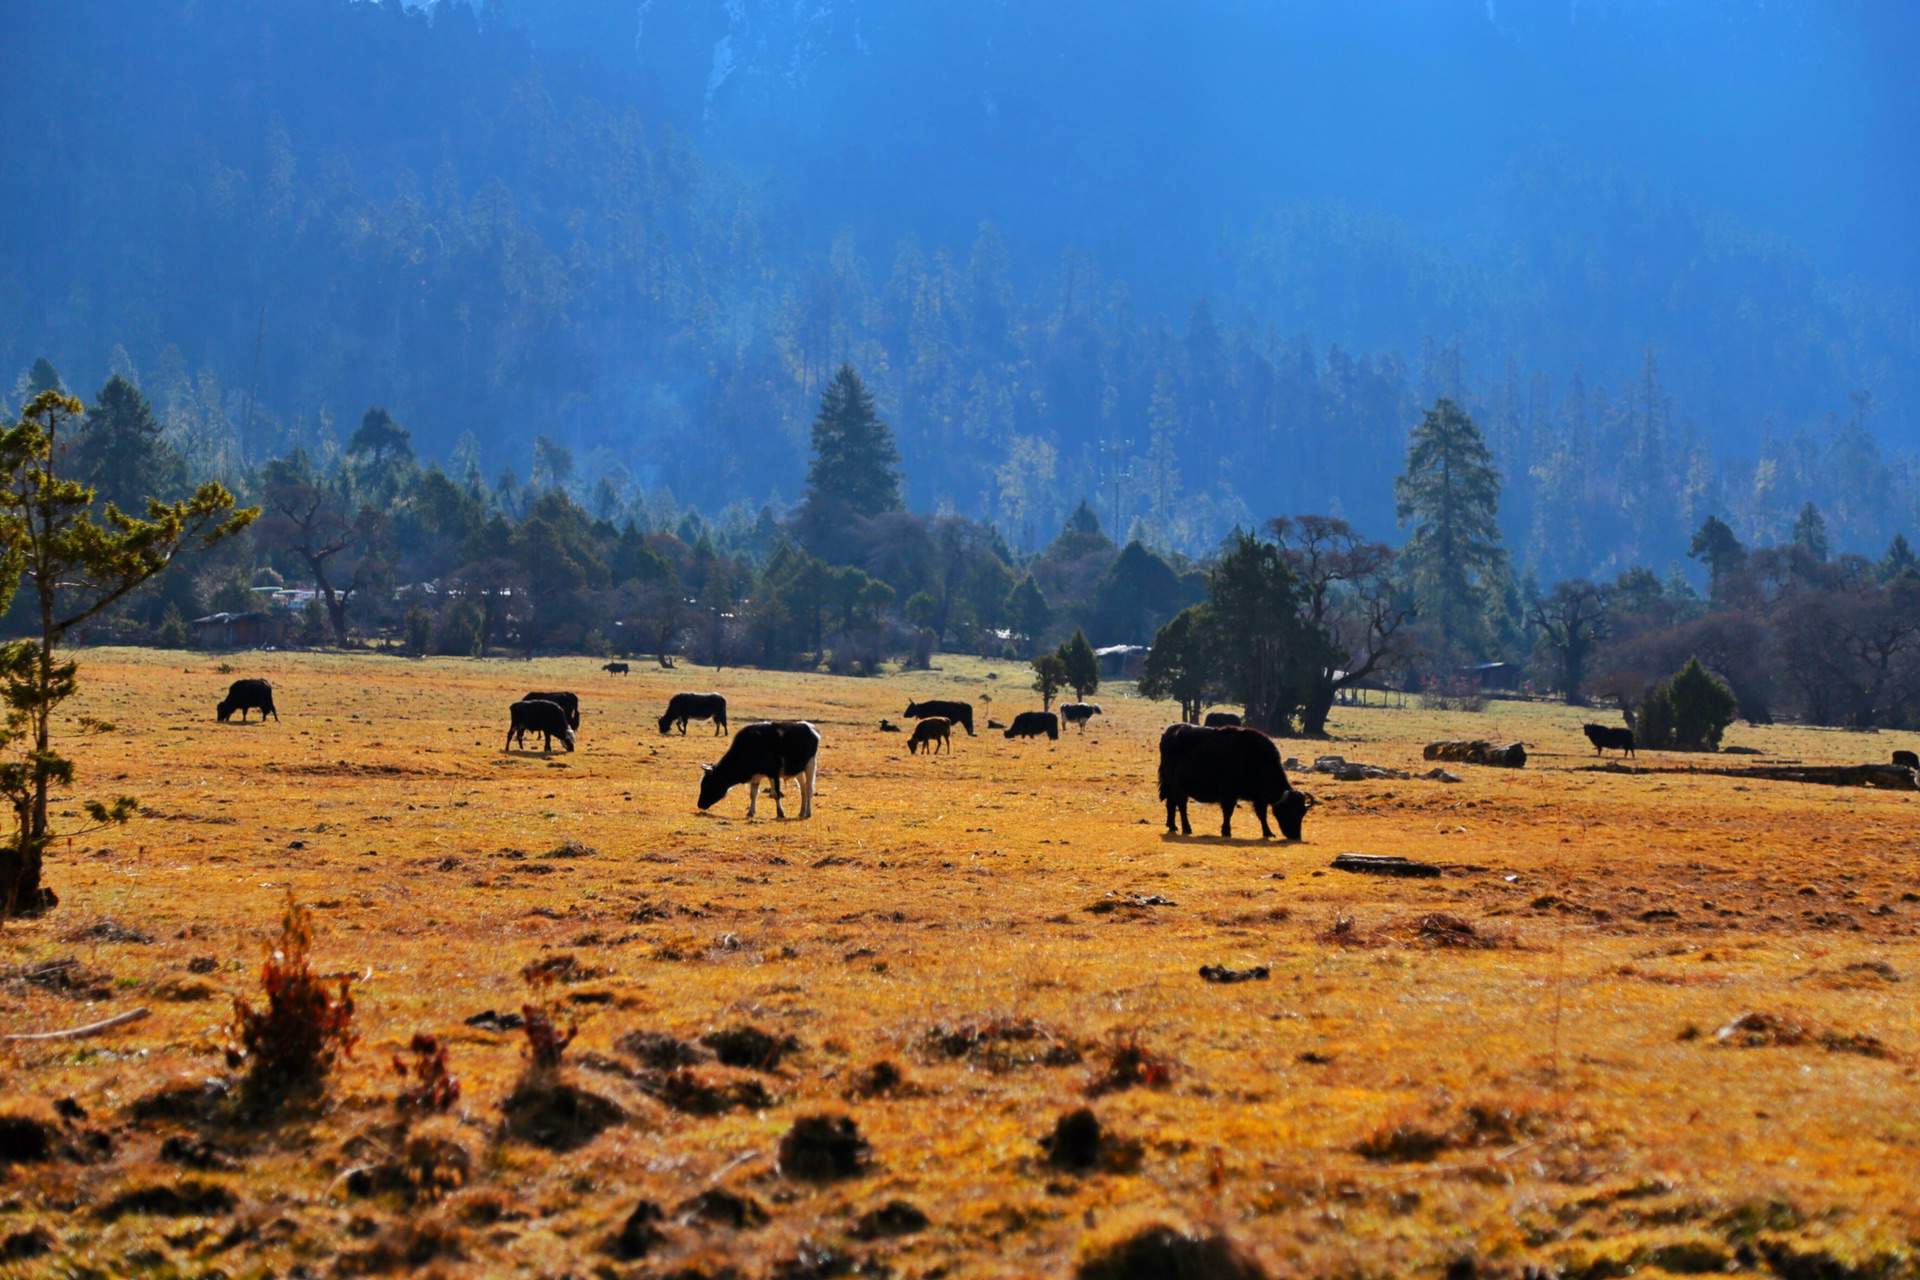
1516,1063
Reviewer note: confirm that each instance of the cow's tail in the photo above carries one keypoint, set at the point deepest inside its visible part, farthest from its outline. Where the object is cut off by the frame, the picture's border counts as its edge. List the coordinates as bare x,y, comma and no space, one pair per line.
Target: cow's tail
1166,778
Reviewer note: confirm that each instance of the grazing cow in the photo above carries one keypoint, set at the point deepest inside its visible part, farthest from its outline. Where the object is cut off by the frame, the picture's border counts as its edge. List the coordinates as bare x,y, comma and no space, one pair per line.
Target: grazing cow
1031,724
616,668
1604,736
1079,713
567,702
935,732
960,713
682,707
1222,719
1907,758
766,751
1225,766
244,696
538,715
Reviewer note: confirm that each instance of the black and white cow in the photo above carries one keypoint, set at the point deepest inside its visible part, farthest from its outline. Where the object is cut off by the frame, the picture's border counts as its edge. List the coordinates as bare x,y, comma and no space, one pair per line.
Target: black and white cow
1079,713
766,751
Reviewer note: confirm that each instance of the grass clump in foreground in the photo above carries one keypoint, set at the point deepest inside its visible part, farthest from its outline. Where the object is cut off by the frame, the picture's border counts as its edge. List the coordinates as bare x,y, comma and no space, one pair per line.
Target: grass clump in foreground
303,1027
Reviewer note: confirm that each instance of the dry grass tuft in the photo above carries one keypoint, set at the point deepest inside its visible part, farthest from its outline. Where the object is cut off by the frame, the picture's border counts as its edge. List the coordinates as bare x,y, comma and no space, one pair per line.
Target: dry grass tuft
1481,1124
1757,1030
822,1148
1130,1065
1000,1045
1159,1252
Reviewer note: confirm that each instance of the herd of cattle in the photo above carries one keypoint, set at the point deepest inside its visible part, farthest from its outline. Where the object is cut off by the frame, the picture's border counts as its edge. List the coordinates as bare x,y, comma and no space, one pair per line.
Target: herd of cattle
1220,762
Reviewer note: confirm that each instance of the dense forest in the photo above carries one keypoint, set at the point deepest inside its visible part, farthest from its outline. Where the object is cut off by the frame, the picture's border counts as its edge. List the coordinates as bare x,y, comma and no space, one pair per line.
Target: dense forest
504,224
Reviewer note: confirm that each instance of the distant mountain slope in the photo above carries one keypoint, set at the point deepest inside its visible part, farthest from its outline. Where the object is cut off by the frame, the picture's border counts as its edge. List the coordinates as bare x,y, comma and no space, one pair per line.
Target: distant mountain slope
651,230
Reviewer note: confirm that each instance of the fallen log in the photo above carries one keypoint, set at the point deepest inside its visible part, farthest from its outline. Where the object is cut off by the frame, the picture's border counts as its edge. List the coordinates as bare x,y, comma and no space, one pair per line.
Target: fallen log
1885,777
1505,755
75,1033
1382,864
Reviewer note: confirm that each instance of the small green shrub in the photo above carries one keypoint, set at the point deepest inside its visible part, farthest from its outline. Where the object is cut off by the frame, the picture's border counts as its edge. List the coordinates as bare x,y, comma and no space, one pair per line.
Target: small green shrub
417,625
173,629
1688,711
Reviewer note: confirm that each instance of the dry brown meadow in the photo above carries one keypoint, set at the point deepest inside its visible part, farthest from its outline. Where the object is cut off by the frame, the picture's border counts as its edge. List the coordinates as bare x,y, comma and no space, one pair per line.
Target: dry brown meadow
1517,1062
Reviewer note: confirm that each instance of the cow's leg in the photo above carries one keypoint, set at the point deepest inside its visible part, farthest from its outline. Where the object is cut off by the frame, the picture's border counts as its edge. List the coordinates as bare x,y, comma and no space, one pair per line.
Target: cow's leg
508,746
1226,818
546,742
807,779
1170,808
1260,809
779,811
753,796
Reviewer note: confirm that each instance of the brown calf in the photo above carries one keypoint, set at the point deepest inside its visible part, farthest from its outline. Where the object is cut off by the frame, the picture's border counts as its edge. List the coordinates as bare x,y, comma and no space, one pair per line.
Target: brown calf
935,732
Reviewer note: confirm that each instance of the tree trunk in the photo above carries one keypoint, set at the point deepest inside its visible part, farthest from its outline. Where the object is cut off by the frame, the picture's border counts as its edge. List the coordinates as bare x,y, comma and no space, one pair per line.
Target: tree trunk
1313,716
1574,671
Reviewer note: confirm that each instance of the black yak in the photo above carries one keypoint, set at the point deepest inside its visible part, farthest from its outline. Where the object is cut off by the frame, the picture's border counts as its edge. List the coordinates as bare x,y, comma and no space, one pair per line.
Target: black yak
244,696
682,707
1225,766
766,751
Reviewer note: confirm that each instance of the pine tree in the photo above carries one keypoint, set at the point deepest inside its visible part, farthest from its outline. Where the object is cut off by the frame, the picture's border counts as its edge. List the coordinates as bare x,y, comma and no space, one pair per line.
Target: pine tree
120,452
1049,674
1080,664
73,568
1899,560
1450,495
1028,611
1810,532
855,465
1714,543
1181,663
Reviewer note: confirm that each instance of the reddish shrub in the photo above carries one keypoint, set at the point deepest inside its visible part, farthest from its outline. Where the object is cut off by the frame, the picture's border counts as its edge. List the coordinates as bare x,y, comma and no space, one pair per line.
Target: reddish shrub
291,1043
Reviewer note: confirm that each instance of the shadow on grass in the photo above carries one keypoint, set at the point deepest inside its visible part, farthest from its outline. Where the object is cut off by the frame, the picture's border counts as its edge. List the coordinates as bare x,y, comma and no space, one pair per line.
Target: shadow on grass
1234,842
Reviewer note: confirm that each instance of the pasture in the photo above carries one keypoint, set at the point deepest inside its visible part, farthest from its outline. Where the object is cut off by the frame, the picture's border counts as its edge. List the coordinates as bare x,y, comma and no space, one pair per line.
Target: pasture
1518,1062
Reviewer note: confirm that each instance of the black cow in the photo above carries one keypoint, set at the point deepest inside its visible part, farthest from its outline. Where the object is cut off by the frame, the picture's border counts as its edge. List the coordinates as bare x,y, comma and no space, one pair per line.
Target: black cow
1907,758
1031,724
538,715
1604,737
1225,766
961,713
244,696
766,751
1222,719
1079,712
616,668
682,707
567,702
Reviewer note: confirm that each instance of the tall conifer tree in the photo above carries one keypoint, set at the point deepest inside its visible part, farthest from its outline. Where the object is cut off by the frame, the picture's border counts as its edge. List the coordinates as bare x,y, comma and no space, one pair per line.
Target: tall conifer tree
855,463
1450,496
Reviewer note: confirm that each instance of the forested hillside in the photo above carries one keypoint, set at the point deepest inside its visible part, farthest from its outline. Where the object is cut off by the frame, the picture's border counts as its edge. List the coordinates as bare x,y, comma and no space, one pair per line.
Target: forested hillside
272,215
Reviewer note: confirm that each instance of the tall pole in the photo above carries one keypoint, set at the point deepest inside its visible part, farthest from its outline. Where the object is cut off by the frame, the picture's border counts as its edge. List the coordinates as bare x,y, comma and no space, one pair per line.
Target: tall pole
253,389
